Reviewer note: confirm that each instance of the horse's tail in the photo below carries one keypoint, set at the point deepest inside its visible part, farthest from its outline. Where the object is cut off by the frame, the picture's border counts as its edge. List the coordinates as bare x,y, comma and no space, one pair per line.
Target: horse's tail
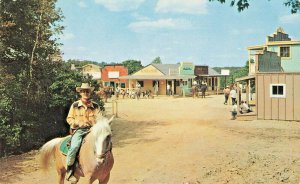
47,151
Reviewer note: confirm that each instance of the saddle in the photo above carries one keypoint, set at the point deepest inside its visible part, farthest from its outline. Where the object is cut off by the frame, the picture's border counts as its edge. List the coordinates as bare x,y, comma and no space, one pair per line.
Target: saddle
65,145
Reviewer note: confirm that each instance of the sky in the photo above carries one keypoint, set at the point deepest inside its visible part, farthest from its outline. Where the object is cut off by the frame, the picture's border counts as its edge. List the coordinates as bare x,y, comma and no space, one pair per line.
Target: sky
198,31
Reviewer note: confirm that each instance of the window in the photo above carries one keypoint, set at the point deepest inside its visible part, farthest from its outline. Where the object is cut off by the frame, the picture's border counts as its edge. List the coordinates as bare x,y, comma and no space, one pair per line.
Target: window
277,90
284,51
122,85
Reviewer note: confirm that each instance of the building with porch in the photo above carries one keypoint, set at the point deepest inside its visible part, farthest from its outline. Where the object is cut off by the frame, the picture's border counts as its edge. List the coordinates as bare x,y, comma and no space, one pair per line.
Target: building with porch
274,68
178,76
208,75
111,75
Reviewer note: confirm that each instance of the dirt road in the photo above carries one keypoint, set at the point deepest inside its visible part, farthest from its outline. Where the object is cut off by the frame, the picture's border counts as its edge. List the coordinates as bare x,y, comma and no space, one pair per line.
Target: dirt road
186,140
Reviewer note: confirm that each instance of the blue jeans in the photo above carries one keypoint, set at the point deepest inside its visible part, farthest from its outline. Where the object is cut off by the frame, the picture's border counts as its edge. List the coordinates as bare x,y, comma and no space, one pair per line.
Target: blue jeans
75,145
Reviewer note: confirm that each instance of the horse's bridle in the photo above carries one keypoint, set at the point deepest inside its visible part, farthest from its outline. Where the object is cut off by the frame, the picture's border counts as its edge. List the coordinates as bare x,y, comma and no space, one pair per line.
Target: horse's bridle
108,150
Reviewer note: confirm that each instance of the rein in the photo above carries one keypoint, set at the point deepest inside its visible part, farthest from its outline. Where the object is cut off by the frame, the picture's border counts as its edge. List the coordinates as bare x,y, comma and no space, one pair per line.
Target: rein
108,150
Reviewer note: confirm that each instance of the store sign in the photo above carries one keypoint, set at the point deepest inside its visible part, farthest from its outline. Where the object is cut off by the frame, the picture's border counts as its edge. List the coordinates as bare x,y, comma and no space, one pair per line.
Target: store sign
225,72
186,68
113,75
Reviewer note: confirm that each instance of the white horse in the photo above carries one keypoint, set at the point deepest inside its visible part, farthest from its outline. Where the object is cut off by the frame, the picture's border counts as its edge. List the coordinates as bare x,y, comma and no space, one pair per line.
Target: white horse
95,156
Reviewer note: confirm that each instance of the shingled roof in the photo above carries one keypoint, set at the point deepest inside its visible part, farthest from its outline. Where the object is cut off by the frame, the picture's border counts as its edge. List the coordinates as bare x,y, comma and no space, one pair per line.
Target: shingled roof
165,68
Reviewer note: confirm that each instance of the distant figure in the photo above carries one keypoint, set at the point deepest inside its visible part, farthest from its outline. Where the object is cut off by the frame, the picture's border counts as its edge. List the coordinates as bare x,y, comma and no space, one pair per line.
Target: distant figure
127,93
245,107
168,90
138,92
181,88
203,89
226,92
123,93
233,95
156,88
233,112
117,92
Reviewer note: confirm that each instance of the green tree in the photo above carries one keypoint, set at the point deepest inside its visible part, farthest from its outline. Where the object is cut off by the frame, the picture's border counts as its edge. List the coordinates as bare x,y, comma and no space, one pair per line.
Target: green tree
157,60
29,47
81,63
132,65
241,5
235,72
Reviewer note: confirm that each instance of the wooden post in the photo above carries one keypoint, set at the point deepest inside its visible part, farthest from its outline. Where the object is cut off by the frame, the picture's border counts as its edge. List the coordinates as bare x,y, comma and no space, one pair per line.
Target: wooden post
238,97
115,107
247,91
173,86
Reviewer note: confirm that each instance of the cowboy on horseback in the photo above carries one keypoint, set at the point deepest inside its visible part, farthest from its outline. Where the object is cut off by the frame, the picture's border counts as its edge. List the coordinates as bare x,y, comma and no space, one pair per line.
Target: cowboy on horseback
81,117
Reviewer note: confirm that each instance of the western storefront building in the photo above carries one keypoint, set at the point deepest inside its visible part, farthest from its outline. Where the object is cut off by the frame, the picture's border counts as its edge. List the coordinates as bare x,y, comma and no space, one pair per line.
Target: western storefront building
178,76
110,75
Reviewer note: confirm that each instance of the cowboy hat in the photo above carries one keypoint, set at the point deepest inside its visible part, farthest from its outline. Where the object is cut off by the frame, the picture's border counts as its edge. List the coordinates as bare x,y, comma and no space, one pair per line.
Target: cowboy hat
84,86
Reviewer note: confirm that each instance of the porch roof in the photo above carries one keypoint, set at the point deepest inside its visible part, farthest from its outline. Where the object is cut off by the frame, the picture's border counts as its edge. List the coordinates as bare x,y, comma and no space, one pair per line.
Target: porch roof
245,78
154,77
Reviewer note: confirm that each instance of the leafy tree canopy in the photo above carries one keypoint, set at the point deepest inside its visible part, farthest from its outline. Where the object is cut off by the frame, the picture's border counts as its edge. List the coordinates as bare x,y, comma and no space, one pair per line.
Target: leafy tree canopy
241,5
81,63
157,60
235,72
132,65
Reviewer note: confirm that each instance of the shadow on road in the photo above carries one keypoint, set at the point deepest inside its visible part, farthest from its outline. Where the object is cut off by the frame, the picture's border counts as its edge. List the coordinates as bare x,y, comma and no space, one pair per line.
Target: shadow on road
132,132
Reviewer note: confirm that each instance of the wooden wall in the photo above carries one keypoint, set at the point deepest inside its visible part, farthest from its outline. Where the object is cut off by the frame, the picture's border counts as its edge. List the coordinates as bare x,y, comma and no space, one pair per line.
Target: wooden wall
287,108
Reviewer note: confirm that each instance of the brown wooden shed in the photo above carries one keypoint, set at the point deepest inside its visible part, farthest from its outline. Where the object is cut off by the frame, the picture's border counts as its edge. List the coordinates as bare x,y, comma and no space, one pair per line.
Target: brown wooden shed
278,96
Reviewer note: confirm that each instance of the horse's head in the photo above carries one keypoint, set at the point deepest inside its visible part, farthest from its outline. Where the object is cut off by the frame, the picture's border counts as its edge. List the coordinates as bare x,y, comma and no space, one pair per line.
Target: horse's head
101,133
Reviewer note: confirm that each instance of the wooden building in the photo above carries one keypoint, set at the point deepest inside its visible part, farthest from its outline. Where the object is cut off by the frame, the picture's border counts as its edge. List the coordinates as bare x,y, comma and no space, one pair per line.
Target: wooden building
178,76
275,68
277,96
208,75
111,73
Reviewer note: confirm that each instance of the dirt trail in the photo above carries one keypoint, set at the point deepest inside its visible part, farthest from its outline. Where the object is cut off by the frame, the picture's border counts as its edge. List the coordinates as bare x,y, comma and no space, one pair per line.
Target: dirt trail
185,140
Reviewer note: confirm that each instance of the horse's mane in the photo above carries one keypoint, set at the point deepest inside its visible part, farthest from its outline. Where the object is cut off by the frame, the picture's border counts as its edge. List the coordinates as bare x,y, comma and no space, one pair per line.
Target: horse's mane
101,127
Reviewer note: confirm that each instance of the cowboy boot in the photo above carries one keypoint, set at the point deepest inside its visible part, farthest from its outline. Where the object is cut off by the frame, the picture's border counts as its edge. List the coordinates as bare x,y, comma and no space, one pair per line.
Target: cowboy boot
70,173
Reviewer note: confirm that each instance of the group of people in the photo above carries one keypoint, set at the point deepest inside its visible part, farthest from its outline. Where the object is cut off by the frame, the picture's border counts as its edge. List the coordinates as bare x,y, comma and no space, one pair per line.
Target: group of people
232,93
196,88
83,113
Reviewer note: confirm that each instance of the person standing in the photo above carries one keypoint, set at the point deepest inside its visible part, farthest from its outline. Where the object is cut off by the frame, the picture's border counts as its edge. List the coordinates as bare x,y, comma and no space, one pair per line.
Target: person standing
233,95
203,89
194,91
181,88
156,88
226,92
138,90
117,91
81,117
168,89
